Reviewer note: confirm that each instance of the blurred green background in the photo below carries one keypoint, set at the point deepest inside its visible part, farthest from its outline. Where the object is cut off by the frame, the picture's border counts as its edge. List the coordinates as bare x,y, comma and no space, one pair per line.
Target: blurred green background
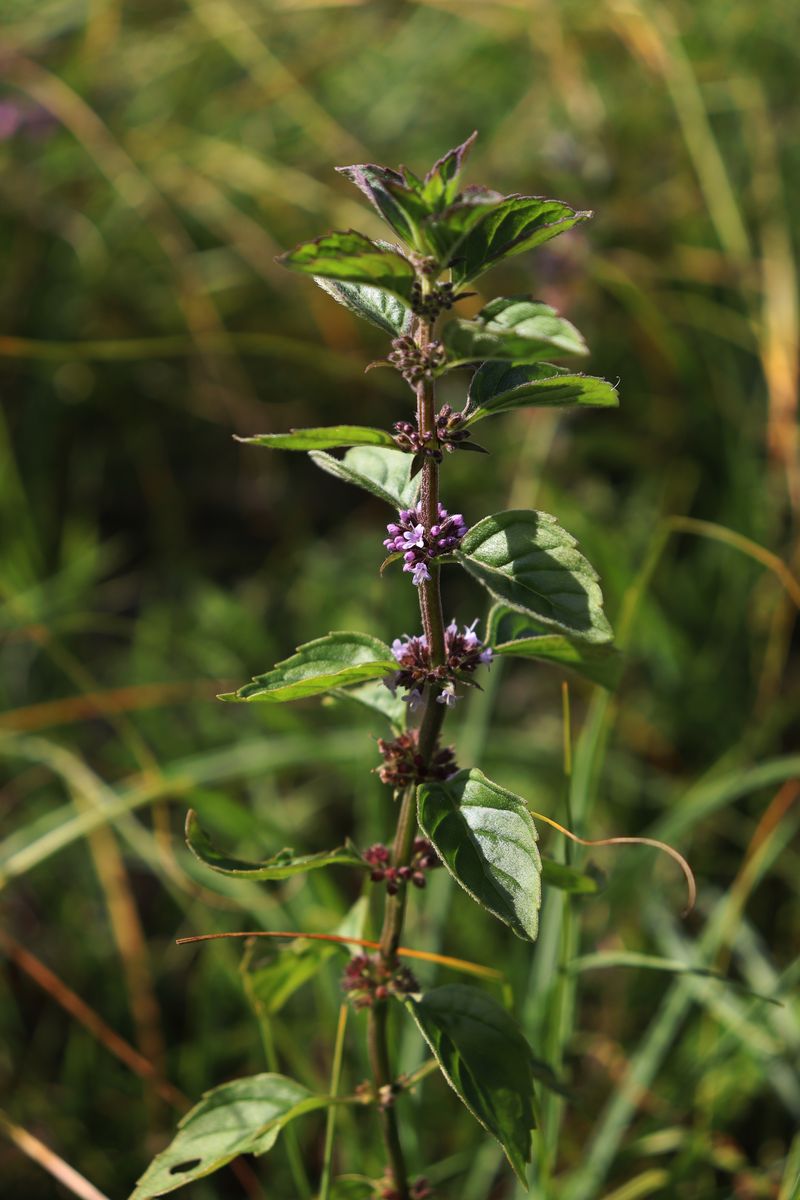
156,156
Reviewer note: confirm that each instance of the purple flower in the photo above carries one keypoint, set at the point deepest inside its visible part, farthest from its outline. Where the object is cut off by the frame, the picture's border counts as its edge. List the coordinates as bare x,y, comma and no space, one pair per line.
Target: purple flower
464,653
408,536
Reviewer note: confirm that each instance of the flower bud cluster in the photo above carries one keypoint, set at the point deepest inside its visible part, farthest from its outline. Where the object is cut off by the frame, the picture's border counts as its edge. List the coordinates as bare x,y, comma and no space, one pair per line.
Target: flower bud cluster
424,858
403,764
464,653
433,442
408,536
415,363
368,979
441,297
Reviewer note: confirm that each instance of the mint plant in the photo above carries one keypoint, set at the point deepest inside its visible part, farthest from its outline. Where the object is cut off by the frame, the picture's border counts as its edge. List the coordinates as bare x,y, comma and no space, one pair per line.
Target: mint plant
547,606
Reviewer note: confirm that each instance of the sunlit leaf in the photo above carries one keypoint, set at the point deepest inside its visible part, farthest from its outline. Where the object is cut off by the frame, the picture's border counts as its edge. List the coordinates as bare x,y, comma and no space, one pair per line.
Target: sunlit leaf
517,224
485,1059
513,328
352,258
528,562
486,839
385,473
373,304
377,698
600,663
244,1116
501,387
399,205
321,439
440,186
329,662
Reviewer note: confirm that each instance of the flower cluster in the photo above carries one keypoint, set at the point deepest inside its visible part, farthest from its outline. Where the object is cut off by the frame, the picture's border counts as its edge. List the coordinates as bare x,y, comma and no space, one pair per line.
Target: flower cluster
415,363
408,536
403,764
463,653
424,858
447,435
369,979
440,297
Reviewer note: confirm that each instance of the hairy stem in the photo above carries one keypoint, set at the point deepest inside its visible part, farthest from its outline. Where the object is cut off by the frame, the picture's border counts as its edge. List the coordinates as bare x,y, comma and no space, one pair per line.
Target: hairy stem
430,603
382,1075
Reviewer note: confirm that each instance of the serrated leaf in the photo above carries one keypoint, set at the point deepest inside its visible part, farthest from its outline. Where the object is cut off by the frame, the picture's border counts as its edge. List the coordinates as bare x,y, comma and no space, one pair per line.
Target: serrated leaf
321,439
271,984
485,1059
280,866
380,308
440,186
501,387
511,328
352,258
570,879
244,1116
486,839
384,473
600,664
529,563
389,195
517,224
444,232
329,662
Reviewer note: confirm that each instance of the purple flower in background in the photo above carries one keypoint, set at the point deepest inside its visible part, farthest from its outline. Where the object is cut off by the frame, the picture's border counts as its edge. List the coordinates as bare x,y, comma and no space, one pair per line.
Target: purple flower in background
408,536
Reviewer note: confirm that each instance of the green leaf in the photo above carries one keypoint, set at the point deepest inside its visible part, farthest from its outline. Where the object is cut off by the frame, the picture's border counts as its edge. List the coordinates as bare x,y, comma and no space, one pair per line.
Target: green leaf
329,662
384,473
440,186
486,839
271,984
445,231
486,1061
280,866
569,879
321,439
398,205
244,1116
512,328
501,387
599,663
527,561
518,223
371,303
377,698
352,258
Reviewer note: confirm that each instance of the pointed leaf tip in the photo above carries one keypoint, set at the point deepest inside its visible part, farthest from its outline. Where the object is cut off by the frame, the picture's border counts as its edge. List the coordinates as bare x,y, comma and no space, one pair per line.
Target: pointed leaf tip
485,1058
486,839
280,866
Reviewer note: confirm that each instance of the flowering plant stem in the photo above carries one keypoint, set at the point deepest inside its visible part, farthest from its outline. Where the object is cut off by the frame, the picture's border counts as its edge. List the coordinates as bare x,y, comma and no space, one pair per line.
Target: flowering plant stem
547,606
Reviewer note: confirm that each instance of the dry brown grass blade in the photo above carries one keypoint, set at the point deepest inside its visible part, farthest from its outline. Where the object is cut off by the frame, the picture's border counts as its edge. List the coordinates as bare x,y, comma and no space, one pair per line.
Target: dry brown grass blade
458,964
101,703
674,854
51,1162
86,1016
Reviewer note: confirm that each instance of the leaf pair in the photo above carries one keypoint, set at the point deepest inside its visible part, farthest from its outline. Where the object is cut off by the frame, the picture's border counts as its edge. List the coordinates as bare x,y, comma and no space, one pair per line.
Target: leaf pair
477,1044
467,231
